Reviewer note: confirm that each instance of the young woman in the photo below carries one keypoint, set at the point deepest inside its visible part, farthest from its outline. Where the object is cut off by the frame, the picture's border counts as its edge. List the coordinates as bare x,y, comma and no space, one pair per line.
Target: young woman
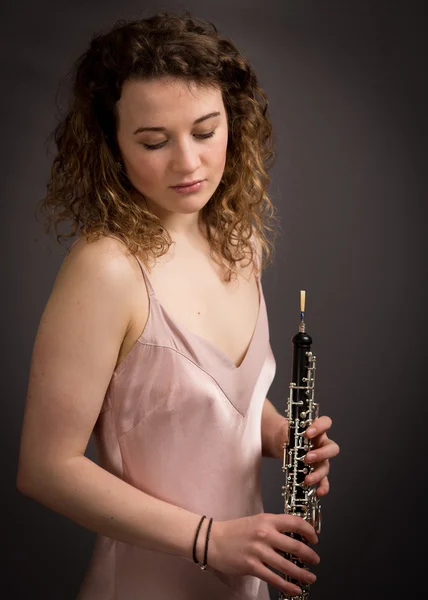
155,338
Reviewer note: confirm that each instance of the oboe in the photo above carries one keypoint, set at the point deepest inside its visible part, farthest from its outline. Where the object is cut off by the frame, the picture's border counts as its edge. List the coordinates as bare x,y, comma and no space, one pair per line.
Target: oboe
299,498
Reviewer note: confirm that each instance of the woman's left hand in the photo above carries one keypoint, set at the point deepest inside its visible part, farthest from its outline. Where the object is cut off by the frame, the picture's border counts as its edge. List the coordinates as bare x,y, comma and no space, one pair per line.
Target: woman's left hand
318,458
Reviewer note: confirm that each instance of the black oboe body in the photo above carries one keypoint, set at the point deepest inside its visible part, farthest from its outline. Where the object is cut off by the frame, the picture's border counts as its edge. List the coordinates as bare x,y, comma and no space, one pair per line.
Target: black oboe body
299,498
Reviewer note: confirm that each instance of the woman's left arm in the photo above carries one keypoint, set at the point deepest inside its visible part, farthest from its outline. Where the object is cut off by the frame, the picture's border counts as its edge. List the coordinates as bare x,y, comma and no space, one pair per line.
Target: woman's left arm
275,434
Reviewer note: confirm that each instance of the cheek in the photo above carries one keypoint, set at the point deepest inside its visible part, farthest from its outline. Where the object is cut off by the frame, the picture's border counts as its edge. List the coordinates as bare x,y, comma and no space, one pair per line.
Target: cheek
147,169
217,153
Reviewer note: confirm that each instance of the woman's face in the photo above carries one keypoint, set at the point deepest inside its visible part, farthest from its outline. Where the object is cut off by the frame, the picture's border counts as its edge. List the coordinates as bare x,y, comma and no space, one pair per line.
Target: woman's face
185,150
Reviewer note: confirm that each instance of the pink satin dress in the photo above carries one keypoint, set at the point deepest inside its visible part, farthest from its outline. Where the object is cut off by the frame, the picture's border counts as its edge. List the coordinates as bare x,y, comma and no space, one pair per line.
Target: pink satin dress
182,423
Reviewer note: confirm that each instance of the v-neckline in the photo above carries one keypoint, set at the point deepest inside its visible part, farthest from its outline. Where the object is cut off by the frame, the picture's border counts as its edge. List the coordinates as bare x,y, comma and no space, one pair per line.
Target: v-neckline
204,340
225,358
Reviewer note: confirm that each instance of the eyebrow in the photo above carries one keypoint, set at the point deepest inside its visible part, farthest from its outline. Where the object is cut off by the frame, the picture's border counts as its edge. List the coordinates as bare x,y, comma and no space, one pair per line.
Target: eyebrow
199,120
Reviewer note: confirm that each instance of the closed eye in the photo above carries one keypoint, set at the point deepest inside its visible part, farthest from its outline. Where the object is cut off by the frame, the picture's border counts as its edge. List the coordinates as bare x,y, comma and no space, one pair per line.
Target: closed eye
202,136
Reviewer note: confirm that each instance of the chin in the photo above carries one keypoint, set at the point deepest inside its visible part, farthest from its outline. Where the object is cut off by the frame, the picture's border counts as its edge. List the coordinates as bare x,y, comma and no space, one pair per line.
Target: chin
188,206
191,203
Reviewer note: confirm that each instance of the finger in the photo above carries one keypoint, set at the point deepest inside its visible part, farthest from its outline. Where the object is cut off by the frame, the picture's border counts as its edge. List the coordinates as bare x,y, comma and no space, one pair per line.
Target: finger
286,566
317,474
318,441
318,426
291,523
324,487
262,572
293,546
329,450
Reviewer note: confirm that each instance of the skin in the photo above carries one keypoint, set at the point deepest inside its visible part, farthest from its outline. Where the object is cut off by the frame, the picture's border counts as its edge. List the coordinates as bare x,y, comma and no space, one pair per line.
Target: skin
185,155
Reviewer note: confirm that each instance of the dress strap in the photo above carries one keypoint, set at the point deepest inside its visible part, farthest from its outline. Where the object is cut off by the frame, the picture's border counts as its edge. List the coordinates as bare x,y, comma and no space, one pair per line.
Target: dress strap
256,257
146,276
74,243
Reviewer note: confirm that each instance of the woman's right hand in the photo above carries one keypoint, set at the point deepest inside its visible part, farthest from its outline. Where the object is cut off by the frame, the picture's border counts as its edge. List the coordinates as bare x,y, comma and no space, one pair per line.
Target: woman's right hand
245,546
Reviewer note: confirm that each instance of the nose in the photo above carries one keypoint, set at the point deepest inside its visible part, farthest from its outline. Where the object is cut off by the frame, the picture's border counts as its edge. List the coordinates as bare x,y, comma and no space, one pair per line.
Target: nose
185,157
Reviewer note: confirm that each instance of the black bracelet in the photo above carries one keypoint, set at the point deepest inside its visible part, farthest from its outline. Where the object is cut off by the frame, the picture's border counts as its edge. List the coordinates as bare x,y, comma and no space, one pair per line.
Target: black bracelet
195,560
204,566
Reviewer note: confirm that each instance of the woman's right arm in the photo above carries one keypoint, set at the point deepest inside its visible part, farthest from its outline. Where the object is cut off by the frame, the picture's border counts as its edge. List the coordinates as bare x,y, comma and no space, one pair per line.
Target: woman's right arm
74,355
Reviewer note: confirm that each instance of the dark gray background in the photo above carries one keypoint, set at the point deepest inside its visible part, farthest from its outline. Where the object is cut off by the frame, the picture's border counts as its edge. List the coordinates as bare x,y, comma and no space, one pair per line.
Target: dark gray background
346,86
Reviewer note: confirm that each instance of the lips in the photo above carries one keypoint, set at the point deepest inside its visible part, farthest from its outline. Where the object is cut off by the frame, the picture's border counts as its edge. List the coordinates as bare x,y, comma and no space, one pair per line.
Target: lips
188,184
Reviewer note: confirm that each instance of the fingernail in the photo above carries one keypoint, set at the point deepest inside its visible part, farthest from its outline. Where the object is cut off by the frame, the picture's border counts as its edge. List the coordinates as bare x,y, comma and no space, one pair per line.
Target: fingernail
310,457
297,590
311,431
312,578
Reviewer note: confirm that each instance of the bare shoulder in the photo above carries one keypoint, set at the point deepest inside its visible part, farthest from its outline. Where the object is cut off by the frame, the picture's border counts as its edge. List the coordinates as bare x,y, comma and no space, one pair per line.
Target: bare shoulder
108,257
107,252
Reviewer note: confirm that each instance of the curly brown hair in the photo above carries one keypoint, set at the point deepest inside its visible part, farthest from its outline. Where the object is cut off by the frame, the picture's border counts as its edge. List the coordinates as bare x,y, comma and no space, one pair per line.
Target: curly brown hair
86,185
